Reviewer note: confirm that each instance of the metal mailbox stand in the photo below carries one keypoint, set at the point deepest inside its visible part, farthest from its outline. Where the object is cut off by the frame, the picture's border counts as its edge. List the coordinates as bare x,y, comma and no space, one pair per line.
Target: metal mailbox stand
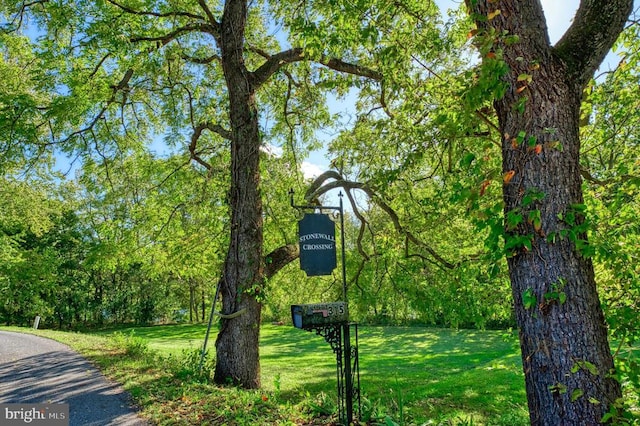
335,328
348,370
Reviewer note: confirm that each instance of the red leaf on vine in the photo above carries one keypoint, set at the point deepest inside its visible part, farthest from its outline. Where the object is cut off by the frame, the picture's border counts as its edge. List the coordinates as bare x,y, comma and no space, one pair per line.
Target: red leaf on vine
506,178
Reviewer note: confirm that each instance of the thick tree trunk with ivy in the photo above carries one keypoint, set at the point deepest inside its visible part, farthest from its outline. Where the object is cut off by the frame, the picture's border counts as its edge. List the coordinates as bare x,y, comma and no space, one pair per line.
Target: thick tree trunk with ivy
565,351
237,357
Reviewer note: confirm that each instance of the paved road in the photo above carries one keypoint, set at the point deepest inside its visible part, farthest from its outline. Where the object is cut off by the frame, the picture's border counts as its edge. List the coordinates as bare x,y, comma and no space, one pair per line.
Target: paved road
38,370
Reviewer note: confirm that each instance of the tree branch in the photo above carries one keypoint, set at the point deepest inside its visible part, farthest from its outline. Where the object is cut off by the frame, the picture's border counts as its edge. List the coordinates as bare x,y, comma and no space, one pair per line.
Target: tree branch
195,136
20,15
348,68
200,61
313,192
586,175
275,62
363,226
595,28
166,38
207,25
318,188
122,85
99,65
279,258
207,11
172,14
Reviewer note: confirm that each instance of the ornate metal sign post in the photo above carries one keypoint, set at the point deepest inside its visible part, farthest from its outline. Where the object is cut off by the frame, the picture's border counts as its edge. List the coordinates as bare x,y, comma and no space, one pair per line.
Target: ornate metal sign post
329,320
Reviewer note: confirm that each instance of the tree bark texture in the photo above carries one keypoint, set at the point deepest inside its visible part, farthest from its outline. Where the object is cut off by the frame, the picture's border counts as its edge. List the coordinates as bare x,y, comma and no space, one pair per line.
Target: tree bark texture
237,354
563,337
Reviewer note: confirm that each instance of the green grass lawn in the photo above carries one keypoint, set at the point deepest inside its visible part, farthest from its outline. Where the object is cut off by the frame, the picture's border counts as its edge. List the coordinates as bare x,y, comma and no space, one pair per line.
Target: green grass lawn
418,374
409,376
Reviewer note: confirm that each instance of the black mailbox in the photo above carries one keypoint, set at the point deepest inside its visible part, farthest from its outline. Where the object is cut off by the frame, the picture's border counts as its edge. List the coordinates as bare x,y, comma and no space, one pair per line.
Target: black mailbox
319,314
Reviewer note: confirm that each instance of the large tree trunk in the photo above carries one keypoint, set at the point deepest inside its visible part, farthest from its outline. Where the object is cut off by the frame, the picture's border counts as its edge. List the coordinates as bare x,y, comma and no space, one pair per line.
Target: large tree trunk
237,357
562,330
563,337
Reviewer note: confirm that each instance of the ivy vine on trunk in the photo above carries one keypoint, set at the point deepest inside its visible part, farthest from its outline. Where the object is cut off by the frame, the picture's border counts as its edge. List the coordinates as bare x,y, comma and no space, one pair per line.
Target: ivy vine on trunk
565,351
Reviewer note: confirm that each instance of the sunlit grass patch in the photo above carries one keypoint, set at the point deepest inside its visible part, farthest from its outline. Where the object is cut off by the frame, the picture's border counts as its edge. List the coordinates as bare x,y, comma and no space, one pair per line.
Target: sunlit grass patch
410,376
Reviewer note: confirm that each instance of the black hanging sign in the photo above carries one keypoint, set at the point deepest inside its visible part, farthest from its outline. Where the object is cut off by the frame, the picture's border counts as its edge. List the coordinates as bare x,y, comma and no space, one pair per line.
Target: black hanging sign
317,244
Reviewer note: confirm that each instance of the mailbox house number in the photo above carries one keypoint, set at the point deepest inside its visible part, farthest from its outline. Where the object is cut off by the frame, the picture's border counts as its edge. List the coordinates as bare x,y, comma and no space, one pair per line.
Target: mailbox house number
328,311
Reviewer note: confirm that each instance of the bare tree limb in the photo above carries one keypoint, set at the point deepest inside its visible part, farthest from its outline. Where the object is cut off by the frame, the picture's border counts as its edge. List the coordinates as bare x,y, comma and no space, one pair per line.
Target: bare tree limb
275,62
595,27
348,68
279,258
586,175
173,35
19,16
318,188
195,137
363,225
122,84
172,14
200,61
207,11
312,192
98,65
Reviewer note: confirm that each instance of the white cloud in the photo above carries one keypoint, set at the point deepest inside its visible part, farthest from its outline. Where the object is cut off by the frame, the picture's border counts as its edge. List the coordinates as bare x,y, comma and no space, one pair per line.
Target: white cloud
271,150
310,170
